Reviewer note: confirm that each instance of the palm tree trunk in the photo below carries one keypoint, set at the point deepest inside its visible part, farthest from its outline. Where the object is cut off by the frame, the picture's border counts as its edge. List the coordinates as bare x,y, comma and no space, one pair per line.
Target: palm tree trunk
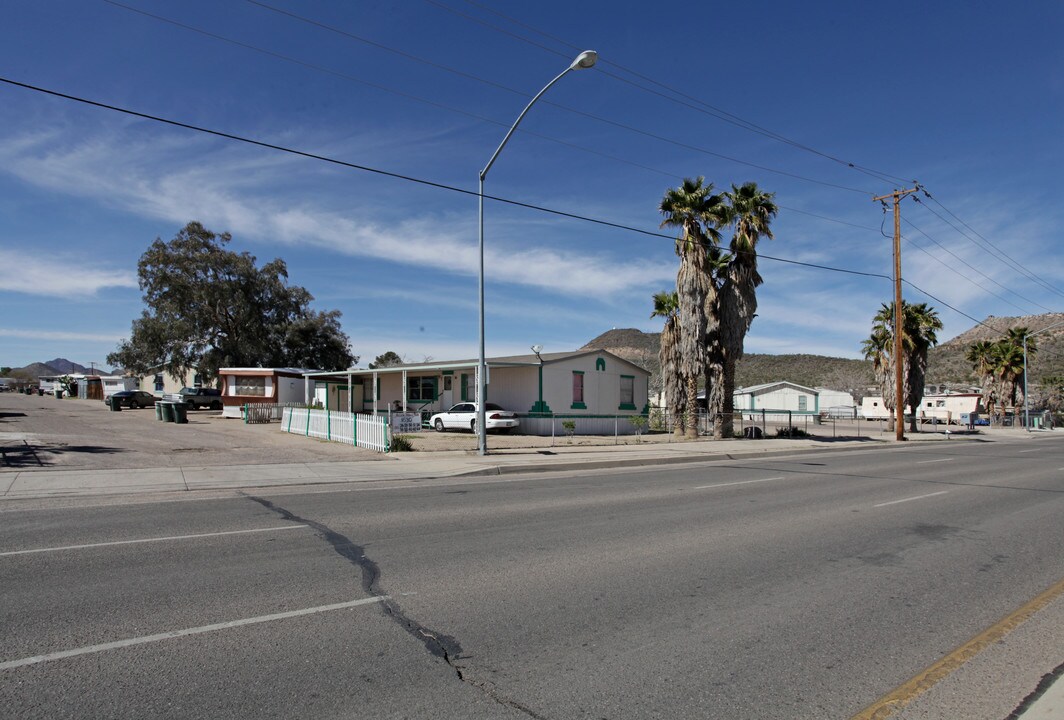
692,407
725,427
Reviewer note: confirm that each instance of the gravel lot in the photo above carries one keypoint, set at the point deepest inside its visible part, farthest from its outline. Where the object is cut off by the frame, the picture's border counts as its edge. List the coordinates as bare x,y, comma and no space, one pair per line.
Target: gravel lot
42,432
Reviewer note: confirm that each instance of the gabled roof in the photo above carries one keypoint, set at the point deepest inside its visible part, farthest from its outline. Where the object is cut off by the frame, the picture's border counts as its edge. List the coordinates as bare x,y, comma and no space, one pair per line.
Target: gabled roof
530,360
756,389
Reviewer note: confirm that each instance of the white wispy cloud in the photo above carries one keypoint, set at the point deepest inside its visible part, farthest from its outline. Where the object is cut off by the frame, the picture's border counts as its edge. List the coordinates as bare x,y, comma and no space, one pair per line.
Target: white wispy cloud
62,335
58,277
228,191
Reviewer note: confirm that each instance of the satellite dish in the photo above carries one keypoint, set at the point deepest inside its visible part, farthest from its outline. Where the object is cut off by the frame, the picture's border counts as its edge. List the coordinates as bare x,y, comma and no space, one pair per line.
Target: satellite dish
537,349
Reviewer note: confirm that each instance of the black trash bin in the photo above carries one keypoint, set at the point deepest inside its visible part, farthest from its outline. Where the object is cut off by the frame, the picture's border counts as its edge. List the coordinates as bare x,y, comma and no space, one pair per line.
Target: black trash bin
114,404
181,413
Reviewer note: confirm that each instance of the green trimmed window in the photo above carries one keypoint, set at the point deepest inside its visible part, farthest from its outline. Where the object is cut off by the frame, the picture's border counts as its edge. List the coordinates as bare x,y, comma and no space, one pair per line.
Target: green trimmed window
627,392
578,390
421,388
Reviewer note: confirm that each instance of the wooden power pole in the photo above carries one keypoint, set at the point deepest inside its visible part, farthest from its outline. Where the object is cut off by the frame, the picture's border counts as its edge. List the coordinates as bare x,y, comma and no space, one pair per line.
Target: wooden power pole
899,401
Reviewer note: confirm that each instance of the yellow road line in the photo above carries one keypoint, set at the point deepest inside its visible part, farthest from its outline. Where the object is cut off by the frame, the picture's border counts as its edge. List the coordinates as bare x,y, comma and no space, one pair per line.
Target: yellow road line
927,678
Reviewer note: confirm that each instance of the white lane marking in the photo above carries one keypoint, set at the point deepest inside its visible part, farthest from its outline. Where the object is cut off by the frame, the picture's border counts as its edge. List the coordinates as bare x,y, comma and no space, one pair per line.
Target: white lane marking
918,497
925,462
36,659
148,540
1031,450
741,482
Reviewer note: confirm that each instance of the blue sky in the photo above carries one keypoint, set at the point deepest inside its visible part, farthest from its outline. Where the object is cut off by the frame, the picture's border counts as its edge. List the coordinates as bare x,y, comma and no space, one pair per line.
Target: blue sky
958,95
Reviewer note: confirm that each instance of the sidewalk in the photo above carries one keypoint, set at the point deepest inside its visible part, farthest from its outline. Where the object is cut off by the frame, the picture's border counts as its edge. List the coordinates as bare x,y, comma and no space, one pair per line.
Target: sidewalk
37,483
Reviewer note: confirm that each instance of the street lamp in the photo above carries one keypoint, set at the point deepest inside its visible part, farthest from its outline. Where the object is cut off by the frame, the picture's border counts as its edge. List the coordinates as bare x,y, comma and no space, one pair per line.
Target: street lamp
1026,402
585,59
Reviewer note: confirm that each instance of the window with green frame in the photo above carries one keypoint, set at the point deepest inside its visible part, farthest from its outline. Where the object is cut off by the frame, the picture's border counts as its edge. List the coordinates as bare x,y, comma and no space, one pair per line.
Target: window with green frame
421,388
578,391
627,392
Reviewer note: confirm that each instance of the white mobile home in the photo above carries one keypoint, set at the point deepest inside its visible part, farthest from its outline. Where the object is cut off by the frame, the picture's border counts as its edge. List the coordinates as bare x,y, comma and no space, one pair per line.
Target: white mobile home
946,408
592,384
242,386
782,396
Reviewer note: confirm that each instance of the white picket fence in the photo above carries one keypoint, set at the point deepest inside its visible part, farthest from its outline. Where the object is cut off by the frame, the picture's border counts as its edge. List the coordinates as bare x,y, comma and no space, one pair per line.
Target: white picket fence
364,431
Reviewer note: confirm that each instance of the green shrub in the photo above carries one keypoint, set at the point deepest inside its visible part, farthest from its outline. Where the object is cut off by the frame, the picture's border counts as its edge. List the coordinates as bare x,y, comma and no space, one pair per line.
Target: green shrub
401,443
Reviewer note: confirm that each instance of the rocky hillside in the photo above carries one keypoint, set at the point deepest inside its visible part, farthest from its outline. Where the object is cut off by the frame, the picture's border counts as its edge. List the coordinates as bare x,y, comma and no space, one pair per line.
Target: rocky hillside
946,363
809,370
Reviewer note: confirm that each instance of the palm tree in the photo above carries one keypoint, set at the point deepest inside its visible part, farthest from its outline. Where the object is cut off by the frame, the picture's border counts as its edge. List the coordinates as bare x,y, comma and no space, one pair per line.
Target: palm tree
667,305
879,348
919,325
1008,365
981,355
751,211
688,207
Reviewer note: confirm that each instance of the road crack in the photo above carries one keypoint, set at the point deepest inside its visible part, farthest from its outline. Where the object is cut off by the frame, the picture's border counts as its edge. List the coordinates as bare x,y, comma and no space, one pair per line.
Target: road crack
445,647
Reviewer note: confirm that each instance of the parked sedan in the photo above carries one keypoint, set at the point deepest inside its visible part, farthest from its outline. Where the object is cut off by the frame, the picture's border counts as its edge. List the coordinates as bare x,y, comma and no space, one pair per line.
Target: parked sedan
464,416
133,398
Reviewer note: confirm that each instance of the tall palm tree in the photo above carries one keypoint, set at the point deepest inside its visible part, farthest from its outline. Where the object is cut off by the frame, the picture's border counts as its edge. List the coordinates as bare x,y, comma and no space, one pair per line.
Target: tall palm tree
879,348
688,207
920,324
667,305
981,355
751,211
1008,365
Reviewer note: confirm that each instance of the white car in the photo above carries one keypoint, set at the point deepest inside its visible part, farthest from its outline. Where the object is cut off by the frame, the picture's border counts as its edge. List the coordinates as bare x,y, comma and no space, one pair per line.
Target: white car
464,416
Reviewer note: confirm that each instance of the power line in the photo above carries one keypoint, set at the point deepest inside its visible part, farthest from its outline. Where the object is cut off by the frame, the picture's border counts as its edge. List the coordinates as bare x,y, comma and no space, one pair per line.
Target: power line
730,118
986,244
397,176
973,269
574,111
699,106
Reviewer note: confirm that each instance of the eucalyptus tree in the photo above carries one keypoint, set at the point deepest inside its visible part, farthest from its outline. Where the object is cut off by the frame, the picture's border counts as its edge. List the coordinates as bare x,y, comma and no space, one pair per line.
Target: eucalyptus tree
208,307
667,306
696,211
750,211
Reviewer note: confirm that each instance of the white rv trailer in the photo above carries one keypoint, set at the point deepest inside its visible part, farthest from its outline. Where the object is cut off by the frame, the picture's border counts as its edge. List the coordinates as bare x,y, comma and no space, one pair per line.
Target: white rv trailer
944,408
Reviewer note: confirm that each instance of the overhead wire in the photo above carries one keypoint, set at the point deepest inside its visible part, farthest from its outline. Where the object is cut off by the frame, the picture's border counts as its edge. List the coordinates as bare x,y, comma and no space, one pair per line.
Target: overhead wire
987,245
735,120
564,143
731,118
394,175
973,269
565,108
701,105
466,113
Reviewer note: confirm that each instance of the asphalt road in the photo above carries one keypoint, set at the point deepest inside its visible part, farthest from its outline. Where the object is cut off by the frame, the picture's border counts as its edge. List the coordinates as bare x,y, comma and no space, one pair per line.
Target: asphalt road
787,587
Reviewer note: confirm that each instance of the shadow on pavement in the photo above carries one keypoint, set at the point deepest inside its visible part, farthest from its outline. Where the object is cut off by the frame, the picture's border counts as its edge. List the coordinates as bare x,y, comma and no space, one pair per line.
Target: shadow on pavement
20,456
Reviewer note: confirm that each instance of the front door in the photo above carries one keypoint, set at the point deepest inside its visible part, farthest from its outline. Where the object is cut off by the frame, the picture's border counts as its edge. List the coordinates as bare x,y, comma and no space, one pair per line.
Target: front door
447,394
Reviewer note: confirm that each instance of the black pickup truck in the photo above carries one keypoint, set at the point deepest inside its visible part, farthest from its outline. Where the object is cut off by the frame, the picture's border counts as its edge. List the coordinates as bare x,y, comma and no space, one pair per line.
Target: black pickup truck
199,398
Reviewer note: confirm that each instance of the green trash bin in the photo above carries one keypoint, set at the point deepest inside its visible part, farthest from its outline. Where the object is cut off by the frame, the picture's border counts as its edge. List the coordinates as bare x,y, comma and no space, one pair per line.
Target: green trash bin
158,410
114,404
168,411
58,394
181,413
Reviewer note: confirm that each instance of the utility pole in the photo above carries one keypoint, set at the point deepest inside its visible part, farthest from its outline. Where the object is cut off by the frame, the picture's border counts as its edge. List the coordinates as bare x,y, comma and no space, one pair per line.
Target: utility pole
899,401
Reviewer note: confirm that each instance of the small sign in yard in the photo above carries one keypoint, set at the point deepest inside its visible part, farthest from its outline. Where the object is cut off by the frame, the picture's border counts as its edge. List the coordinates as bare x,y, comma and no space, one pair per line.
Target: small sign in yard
408,422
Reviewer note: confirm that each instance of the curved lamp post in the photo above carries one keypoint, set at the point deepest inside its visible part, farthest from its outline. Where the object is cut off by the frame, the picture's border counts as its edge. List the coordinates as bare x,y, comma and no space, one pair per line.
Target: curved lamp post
585,59
1026,402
